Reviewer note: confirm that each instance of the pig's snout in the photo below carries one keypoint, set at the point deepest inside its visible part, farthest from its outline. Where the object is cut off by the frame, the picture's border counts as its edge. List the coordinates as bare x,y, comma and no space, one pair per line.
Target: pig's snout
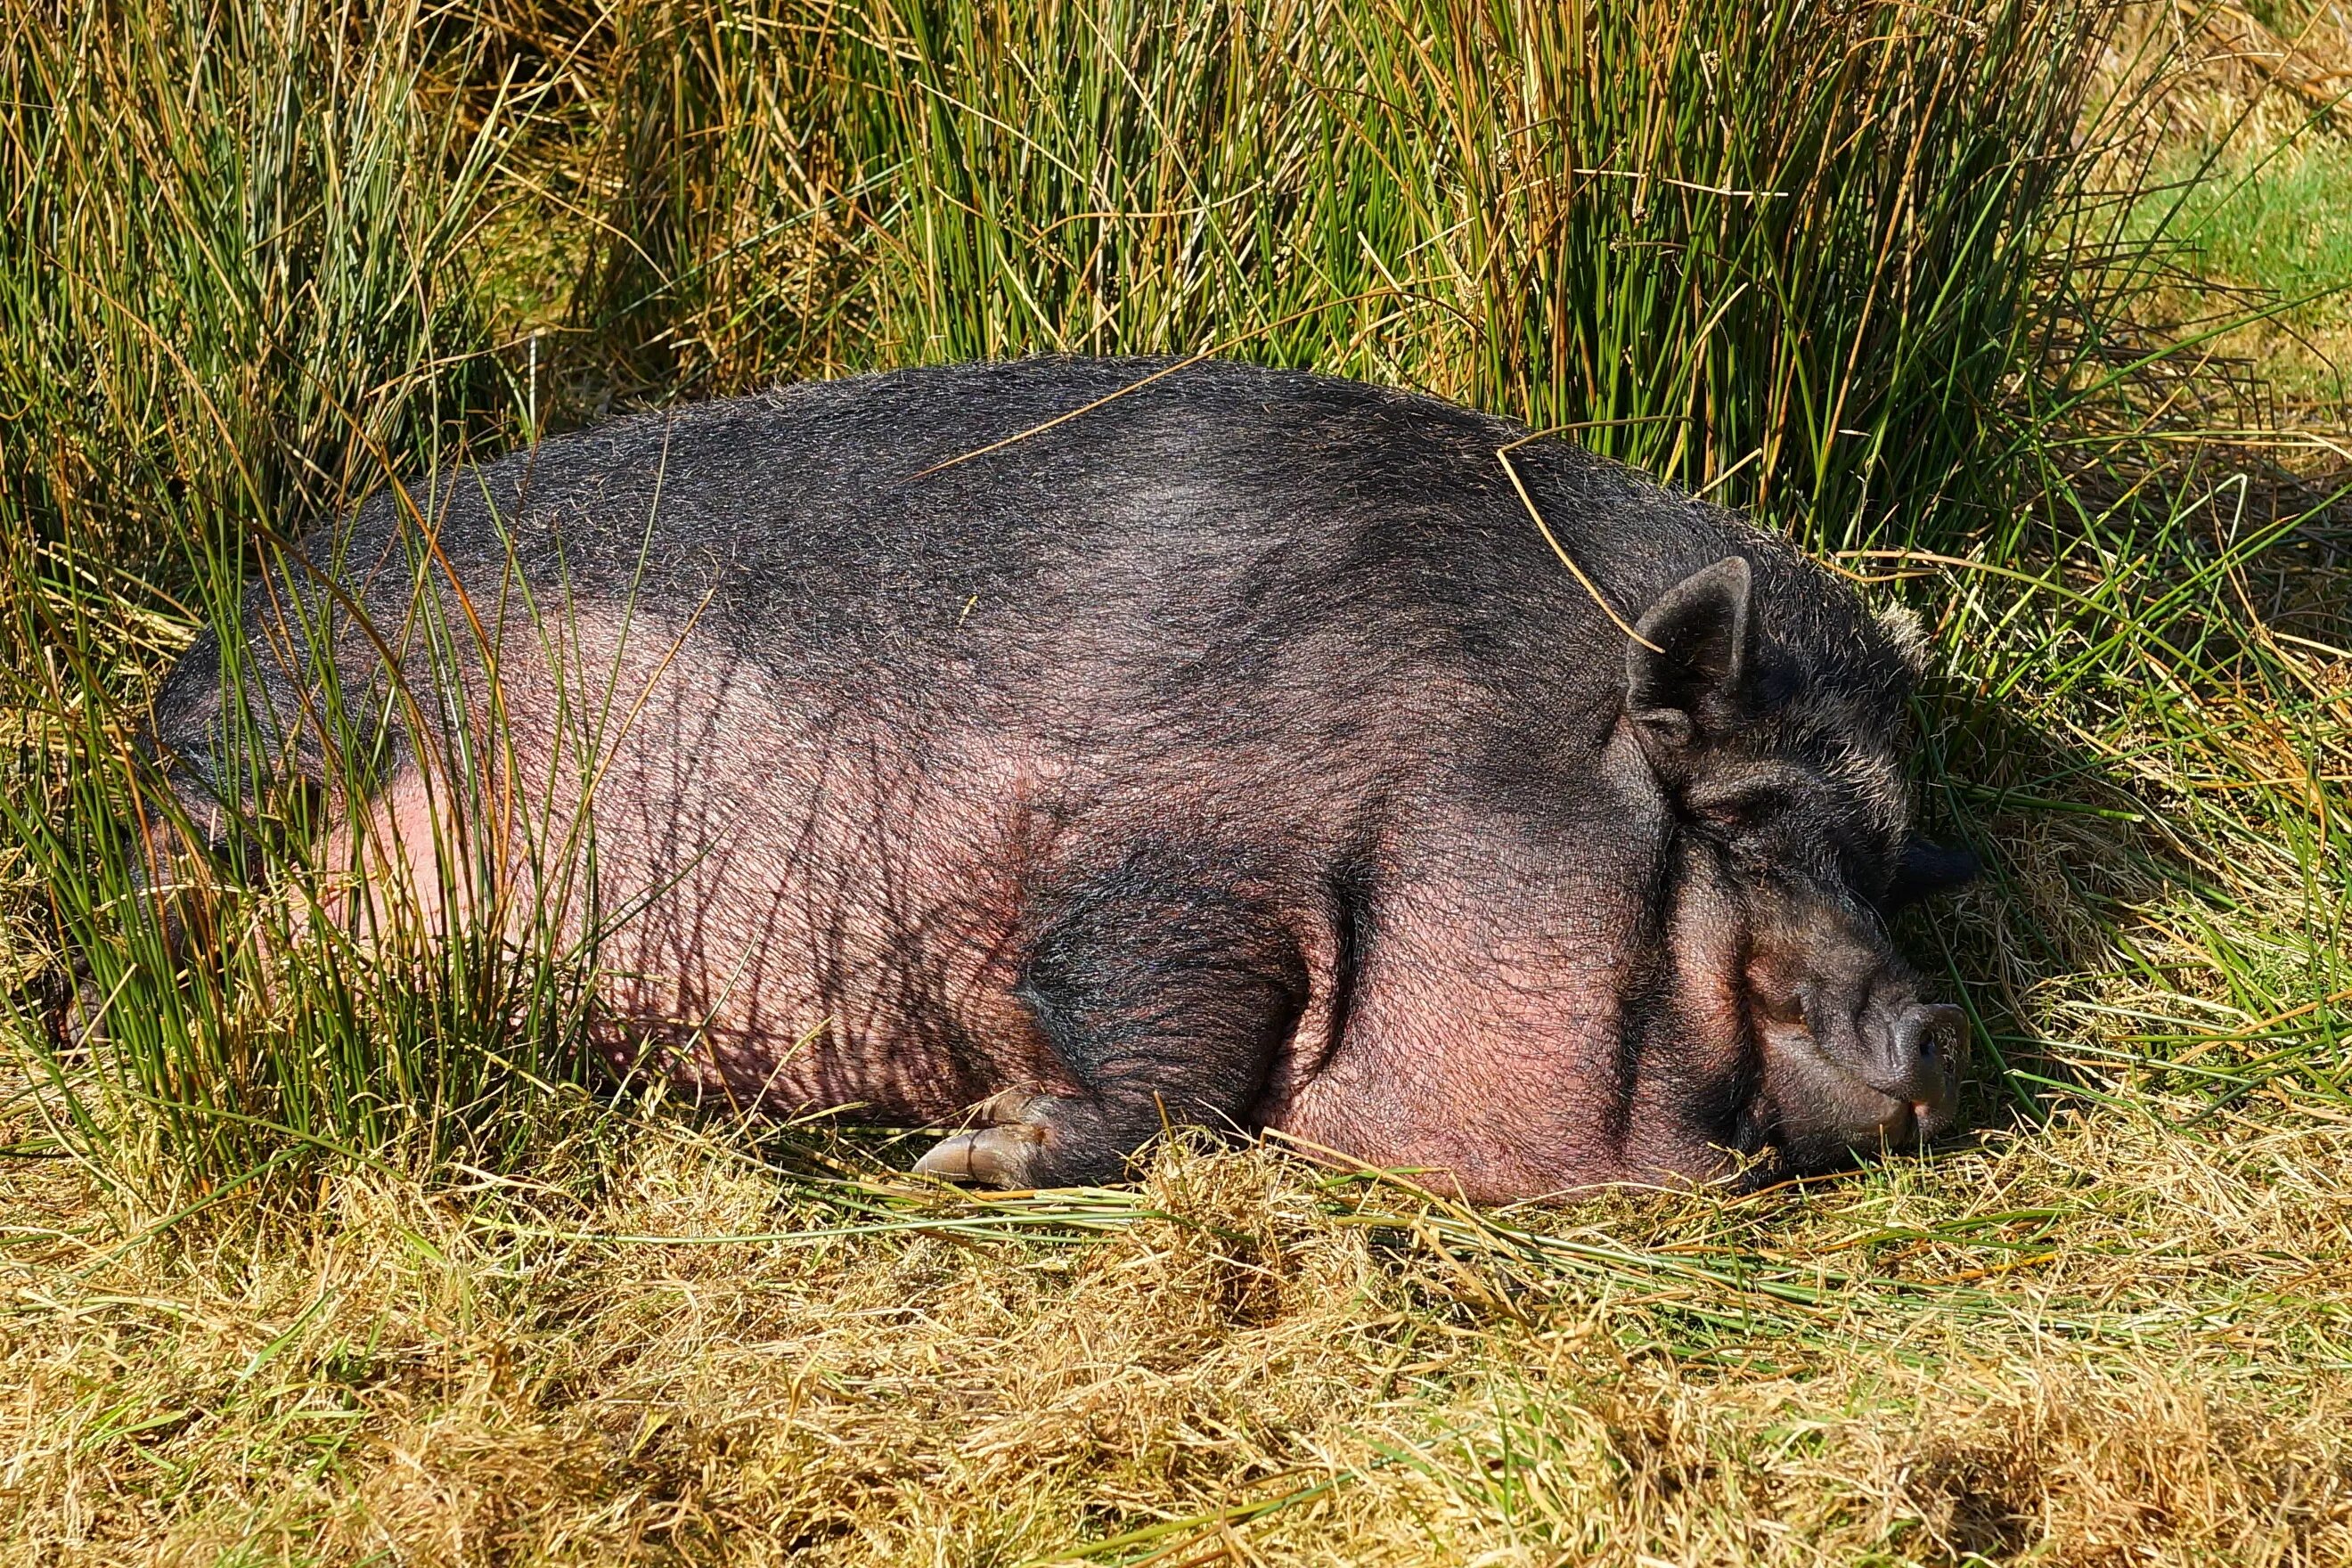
1853,1058
1924,1062
1904,1051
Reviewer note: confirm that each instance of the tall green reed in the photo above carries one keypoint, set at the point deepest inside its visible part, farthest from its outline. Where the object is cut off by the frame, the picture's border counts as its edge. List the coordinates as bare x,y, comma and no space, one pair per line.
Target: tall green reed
234,279
237,293
1791,254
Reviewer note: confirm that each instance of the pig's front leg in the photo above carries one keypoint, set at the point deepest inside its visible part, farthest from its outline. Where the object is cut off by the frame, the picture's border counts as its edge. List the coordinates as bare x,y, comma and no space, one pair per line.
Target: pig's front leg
1165,995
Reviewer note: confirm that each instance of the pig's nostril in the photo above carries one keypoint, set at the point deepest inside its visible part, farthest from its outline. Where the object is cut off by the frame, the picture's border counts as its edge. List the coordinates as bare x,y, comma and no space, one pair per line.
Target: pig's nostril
1923,1036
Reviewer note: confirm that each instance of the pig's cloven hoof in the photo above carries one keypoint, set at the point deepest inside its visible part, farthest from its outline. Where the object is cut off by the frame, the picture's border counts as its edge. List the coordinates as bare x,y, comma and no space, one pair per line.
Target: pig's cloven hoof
1000,1156
992,1157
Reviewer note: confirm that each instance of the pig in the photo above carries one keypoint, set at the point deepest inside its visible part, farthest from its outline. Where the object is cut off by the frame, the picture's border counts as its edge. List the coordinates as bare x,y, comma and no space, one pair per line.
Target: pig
1057,751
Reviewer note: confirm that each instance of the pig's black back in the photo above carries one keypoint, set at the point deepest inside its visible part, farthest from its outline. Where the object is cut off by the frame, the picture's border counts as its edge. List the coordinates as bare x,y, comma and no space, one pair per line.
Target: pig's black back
1197,532
1227,555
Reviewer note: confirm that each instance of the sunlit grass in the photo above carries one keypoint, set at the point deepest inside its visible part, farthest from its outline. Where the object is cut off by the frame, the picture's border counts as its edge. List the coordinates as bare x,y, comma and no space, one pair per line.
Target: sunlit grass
2271,222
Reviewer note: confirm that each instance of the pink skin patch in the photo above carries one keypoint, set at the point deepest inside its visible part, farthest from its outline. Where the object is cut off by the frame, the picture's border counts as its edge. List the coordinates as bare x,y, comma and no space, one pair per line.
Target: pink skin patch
801,916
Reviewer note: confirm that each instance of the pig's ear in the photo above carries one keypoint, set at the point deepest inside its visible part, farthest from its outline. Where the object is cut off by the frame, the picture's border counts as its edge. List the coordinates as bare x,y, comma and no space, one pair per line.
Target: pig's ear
1687,671
1927,869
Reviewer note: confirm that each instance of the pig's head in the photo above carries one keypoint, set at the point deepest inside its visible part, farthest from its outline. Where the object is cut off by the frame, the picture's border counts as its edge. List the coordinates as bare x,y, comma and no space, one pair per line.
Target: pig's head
1791,849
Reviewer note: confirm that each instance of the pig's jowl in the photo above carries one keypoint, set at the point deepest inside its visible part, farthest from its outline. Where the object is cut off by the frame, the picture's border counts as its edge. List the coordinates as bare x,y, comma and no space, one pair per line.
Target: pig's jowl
1237,752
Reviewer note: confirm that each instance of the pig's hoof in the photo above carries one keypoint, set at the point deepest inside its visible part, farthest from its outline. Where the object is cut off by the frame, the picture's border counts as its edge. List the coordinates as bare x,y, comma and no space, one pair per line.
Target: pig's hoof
990,1157
1005,1155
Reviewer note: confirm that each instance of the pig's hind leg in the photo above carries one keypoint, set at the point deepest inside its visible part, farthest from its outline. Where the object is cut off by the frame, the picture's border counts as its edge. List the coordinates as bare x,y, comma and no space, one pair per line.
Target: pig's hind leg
1165,1003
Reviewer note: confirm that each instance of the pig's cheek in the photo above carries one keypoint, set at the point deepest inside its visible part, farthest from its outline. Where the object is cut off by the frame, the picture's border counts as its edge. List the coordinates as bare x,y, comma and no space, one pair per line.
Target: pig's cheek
1699,1057
1710,982
1805,1116
1825,1114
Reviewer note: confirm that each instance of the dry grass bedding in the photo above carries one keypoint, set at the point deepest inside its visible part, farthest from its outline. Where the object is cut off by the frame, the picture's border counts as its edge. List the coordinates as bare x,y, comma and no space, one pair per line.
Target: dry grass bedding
2110,1342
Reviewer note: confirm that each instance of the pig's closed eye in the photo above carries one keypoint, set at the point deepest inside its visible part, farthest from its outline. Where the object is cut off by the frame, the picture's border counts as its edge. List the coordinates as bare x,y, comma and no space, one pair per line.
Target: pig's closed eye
1735,811
1744,803
1785,1008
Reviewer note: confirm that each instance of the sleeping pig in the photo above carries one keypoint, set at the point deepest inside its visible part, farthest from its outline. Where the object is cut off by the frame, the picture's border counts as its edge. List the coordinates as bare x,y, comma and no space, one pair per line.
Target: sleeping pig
1064,750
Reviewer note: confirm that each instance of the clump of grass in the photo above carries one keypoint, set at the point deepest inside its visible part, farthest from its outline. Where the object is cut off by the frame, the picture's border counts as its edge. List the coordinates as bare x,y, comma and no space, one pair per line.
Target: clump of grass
1793,255
235,277
234,296
2266,222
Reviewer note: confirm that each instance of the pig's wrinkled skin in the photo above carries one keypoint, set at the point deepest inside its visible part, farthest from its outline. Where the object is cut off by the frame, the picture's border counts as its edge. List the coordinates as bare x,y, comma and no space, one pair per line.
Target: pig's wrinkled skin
1236,753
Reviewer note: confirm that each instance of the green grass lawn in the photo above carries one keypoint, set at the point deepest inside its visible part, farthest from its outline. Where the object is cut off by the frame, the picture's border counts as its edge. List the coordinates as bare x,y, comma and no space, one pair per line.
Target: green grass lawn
331,1254
2272,222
